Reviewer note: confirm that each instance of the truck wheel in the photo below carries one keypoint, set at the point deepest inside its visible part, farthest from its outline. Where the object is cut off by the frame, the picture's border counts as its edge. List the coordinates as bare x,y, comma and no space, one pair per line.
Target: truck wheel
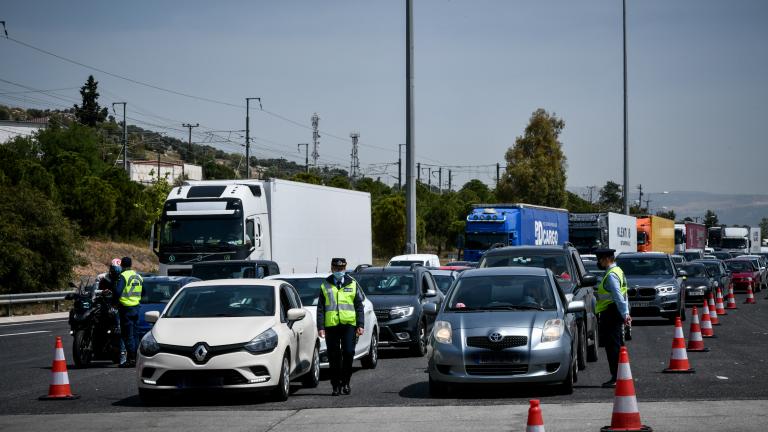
372,359
419,347
581,358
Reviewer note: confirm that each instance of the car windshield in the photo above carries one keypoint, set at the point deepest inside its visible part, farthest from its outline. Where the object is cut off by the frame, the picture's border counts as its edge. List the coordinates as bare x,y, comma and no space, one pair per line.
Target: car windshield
502,292
695,270
723,255
405,263
677,259
443,282
483,241
194,233
554,262
713,268
387,284
739,266
642,237
226,270
223,301
733,243
690,256
645,266
308,288
158,292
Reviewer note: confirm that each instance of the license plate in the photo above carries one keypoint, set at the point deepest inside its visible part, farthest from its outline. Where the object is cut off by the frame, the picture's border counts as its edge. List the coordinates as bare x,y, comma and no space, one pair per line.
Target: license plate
497,358
696,292
640,304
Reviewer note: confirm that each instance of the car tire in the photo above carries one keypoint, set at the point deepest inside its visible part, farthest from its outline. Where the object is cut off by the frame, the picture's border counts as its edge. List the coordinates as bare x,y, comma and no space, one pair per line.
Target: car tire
419,347
566,387
581,357
593,351
149,396
283,389
82,351
372,358
439,389
312,378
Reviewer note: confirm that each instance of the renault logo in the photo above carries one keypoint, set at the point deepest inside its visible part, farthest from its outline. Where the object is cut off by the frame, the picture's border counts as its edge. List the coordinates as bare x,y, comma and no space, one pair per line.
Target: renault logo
495,337
200,352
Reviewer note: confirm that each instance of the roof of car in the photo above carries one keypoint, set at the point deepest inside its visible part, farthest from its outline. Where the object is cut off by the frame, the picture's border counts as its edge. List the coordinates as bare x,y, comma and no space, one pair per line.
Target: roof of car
506,271
413,257
441,272
708,261
504,249
392,269
234,282
170,279
297,276
643,255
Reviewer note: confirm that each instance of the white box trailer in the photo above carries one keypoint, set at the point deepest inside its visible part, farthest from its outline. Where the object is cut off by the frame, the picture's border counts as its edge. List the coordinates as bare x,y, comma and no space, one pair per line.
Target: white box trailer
755,242
298,225
622,232
592,231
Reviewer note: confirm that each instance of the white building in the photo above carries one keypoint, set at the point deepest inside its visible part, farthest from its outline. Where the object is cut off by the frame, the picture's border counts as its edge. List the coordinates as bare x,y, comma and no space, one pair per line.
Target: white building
10,129
146,171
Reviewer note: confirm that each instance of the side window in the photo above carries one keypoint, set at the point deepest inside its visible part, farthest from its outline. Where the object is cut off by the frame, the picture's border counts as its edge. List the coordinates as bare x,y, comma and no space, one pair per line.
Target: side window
424,283
560,293
579,265
285,304
250,231
293,296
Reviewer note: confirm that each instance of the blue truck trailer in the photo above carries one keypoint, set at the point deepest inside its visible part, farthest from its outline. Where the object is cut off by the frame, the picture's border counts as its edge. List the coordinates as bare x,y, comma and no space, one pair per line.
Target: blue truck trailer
493,225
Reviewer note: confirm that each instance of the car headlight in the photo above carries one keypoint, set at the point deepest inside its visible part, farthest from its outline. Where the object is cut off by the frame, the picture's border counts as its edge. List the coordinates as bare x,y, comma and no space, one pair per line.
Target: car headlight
665,288
401,312
443,332
262,343
149,346
748,278
717,284
553,329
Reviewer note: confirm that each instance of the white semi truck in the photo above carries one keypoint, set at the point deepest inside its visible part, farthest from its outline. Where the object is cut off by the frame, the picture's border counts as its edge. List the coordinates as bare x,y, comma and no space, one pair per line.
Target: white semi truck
298,225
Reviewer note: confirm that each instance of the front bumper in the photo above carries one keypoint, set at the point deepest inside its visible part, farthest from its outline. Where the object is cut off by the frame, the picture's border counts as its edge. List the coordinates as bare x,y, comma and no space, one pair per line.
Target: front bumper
641,303
695,296
237,370
399,332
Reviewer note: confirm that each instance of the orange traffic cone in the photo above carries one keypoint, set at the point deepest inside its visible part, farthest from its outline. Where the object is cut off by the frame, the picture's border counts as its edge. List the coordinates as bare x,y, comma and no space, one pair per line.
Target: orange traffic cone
750,296
535,420
712,310
678,362
695,340
626,416
731,298
706,322
719,306
59,388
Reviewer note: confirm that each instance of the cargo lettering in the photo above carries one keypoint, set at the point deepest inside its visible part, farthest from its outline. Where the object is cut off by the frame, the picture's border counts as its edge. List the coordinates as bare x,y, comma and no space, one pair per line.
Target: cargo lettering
544,236
623,232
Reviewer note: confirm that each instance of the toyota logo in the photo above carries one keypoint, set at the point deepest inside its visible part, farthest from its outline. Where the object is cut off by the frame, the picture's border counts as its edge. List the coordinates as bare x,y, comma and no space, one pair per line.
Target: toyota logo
495,337
200,352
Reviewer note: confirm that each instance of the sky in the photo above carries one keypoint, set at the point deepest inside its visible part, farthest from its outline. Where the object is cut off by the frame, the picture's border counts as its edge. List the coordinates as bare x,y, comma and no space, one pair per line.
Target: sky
697,79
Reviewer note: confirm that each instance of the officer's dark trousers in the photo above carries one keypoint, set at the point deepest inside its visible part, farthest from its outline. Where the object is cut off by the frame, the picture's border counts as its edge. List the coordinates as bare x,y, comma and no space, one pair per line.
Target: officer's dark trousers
340,341
129,318
611,336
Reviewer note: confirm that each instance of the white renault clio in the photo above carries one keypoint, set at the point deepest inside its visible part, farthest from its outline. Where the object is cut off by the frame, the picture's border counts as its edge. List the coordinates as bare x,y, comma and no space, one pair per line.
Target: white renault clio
229,334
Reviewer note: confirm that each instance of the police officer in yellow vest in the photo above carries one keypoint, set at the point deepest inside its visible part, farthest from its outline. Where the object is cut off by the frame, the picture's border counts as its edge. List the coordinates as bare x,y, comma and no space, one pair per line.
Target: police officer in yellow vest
128,295
612,309
340,319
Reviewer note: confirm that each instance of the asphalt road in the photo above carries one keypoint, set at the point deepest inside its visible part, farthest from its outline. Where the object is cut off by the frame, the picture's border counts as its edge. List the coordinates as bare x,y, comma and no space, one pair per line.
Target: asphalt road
733,370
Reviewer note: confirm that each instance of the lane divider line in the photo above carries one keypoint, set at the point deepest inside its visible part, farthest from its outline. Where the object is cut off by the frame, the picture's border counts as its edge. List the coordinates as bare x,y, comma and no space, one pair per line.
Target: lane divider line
33,323
25,333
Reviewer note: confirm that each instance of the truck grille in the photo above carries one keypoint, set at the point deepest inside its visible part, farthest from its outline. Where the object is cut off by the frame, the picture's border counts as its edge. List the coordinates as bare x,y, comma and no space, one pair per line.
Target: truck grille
507,342
497,370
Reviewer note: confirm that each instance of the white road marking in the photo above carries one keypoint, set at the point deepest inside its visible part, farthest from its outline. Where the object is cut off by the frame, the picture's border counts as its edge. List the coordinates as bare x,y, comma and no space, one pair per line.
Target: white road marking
33,322
24,333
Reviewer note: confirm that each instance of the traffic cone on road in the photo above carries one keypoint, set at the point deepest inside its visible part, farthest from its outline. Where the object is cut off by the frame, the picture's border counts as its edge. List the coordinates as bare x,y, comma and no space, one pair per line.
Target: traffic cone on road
678,362
712,310
706,322
626,415
731,298
535,420
719,306
59,388
695,340
750,296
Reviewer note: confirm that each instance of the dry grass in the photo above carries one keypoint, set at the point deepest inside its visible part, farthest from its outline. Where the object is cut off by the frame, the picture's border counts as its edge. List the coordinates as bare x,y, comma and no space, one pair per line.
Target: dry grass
98,254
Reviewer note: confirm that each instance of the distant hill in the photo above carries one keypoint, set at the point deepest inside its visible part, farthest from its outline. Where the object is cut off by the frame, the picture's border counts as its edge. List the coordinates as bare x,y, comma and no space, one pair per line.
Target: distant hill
730,208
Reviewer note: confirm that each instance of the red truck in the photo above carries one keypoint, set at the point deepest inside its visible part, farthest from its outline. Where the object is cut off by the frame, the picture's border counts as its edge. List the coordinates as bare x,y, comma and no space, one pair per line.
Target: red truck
690,235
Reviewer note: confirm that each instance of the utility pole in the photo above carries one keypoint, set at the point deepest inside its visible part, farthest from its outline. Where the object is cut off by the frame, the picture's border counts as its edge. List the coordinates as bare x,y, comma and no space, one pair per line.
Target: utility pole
648,206
418,170
190,126
450,179
626,118
248,134
640,198
498,171
429,180
440,181
400,167
411,244
158,165
354,167
125,136
306,155
315,119
591,190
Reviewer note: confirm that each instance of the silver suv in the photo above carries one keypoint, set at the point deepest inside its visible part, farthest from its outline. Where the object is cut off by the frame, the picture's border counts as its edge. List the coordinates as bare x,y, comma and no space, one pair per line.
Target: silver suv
654,284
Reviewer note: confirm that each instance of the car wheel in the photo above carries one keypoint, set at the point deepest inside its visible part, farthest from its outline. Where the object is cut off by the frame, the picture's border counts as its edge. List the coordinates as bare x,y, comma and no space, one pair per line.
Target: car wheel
419,347
593,350
438,389
581,358
149,396
312,378
82,351
372,359
566,387
283,389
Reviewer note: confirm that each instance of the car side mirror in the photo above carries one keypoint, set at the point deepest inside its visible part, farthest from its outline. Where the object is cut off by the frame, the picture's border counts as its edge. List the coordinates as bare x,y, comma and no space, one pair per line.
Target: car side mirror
589,280
296,314
682,273
430,293
151,316
430,308
576,306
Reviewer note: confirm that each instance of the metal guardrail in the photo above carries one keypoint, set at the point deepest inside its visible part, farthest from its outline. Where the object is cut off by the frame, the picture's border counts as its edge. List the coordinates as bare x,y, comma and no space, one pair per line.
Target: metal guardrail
51,296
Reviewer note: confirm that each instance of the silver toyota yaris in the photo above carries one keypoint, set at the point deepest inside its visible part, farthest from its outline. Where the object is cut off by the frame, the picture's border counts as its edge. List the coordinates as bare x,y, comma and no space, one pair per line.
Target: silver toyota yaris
504,325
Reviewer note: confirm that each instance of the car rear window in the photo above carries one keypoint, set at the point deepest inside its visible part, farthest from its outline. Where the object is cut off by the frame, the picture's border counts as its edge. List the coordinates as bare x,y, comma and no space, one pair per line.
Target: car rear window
502,292
387,284
308,288
158,292
223,301
554,262
404,263
695,270
645,266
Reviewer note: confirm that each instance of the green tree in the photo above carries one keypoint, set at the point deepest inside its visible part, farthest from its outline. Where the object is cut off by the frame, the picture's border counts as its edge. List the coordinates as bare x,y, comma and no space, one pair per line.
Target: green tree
307,177
577,204
669,214
710,219
89,113
96,204
438,220
536,164
611,198
389,225
764,228
213,170
480,189
339,182
376,188
687,219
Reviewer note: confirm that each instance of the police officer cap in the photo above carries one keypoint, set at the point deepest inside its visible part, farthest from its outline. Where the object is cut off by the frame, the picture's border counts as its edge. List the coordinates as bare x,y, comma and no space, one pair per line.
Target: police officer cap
605,252
126,261
338,262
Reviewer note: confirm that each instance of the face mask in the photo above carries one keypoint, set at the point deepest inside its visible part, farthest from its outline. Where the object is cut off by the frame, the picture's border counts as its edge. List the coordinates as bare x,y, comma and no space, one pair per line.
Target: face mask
338,275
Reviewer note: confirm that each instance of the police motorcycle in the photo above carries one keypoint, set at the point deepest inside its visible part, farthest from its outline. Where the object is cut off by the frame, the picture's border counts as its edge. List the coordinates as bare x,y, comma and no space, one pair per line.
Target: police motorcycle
93,324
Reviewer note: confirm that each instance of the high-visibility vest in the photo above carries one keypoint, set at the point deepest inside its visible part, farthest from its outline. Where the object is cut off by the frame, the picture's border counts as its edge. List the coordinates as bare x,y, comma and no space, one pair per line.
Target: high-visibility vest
604,298
339,303
131,294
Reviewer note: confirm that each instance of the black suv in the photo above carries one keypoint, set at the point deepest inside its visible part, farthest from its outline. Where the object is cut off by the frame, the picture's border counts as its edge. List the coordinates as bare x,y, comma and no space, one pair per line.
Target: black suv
570,274
398,295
